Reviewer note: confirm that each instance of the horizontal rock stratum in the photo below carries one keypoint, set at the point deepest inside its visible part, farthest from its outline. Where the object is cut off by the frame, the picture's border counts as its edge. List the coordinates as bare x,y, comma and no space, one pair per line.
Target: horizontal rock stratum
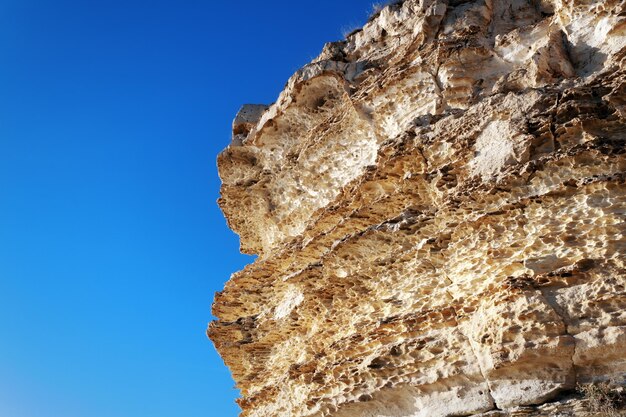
438,205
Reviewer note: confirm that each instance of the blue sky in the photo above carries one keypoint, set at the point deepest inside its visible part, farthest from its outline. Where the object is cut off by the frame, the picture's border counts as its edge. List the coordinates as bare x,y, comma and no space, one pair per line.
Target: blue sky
111,244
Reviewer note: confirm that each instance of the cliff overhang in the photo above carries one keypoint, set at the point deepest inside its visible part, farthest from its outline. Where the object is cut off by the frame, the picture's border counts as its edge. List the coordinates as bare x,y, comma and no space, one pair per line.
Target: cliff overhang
438,203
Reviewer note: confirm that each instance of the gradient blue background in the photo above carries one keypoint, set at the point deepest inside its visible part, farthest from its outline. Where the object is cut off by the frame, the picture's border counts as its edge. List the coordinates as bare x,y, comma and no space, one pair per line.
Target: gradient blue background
111,244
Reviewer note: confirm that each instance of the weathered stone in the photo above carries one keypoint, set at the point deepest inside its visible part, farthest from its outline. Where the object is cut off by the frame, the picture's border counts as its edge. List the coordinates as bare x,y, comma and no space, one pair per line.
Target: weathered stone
439,208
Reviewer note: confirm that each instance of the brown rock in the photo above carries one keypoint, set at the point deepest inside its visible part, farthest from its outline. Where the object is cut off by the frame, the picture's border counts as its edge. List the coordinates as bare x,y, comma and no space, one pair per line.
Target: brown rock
438,204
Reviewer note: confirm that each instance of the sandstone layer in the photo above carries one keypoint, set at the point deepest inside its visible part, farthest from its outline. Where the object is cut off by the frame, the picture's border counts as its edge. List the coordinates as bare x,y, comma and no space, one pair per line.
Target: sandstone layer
438,206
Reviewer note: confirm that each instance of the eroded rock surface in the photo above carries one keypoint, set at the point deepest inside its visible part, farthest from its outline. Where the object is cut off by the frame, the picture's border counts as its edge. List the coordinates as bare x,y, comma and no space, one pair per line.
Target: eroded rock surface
438,204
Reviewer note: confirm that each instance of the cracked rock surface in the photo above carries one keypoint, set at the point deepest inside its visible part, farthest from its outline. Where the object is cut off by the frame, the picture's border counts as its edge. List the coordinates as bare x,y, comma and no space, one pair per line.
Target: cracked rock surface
438,205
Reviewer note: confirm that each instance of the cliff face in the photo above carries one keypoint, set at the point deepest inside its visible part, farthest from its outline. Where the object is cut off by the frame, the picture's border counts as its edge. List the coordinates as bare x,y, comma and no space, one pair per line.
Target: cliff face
438,204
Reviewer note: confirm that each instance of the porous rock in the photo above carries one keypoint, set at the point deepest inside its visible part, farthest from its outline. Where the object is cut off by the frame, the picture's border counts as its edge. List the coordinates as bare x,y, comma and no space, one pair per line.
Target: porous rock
438,206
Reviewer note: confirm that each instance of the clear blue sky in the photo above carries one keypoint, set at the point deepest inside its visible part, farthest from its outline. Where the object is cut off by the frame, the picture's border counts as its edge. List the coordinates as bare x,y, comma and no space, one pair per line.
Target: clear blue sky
111,244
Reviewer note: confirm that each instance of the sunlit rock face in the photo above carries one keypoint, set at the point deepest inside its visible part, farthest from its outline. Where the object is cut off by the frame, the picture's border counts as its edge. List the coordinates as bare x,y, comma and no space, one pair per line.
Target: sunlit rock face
439,207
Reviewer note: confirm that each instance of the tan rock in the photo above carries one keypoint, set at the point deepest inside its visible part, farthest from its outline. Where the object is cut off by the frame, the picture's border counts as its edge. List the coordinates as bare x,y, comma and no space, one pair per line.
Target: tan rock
439,208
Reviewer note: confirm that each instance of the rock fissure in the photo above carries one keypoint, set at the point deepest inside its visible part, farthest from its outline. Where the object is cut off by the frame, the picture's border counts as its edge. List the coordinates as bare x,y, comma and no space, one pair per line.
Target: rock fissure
483,374
556,309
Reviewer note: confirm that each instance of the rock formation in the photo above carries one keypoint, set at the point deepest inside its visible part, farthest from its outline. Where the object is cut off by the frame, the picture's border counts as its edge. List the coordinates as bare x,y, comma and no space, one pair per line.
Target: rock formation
438,205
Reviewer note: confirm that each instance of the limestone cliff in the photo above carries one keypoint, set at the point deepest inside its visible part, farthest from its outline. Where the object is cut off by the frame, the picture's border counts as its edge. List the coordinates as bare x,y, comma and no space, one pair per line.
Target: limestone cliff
438,204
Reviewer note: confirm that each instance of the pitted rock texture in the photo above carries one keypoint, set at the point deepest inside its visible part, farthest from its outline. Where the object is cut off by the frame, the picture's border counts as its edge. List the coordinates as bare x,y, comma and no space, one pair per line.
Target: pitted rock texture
439,207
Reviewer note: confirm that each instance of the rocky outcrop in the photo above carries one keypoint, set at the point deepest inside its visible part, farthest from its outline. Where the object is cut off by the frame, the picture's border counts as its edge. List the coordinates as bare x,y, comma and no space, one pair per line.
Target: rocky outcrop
438,205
